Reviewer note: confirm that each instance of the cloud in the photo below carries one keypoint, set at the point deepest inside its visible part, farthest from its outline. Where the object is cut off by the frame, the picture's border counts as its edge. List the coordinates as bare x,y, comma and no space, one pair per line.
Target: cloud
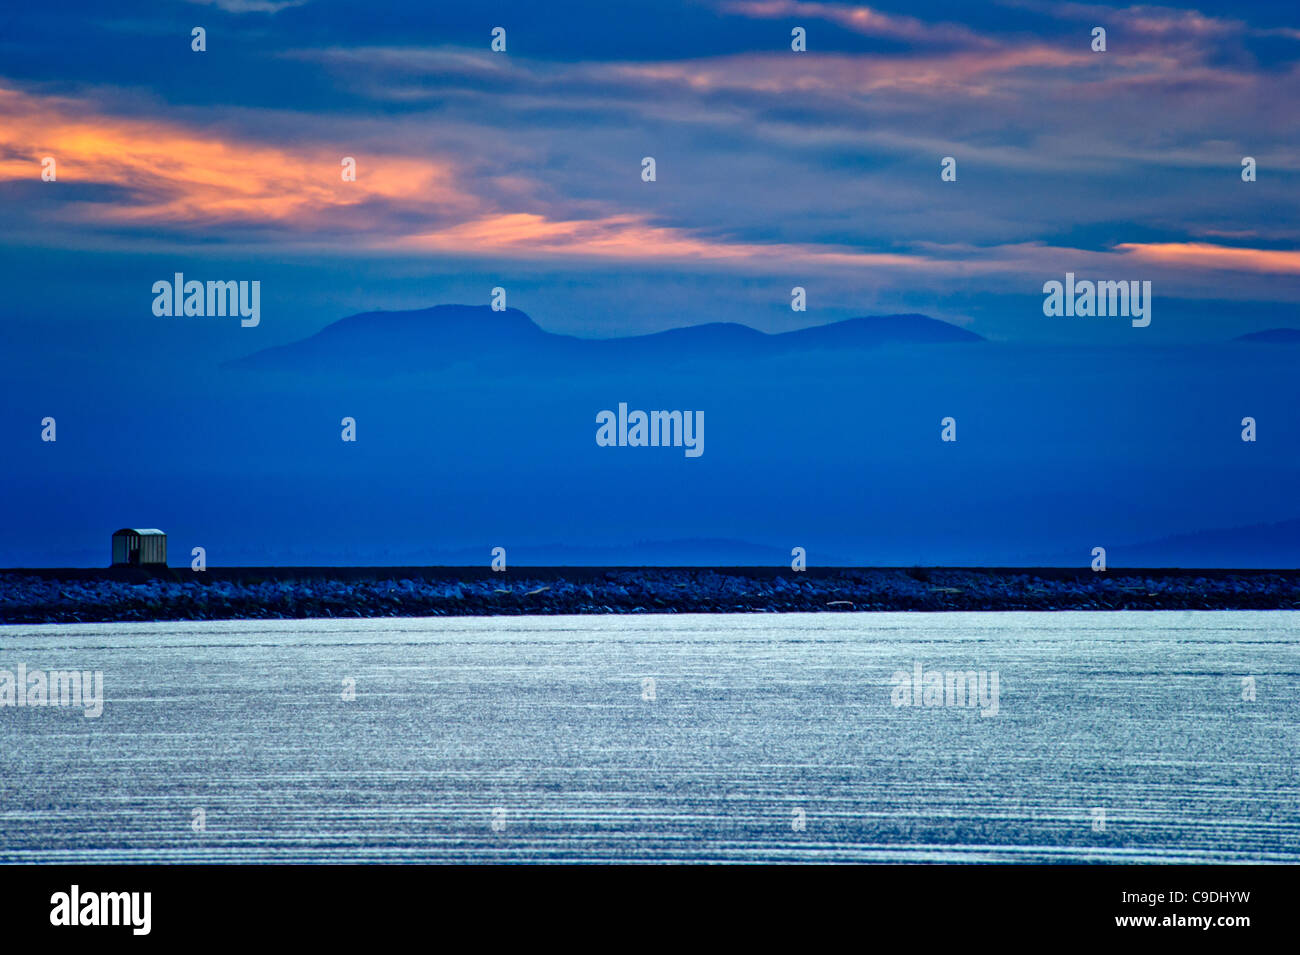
173,177
168,174
629,237
841,74
250,6
861,19
1189,30
961,73
1204,255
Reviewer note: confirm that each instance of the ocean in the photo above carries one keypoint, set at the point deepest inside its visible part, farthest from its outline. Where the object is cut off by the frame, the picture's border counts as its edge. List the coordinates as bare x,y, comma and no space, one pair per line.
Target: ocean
1132,737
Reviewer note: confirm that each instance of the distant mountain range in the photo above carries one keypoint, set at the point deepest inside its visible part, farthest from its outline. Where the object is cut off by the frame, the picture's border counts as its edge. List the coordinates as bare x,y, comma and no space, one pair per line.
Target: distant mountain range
1256,545
475,429
412,341
401,342
1288,336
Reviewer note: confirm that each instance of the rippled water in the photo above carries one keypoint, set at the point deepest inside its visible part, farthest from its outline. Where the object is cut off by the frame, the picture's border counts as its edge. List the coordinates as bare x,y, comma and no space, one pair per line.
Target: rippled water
541,726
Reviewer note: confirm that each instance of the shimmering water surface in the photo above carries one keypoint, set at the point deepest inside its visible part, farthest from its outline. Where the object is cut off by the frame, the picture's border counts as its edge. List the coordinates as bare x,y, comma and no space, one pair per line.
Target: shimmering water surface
531,739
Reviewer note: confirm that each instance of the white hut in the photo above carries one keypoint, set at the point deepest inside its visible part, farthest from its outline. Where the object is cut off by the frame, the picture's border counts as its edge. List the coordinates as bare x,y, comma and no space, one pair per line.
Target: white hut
135,546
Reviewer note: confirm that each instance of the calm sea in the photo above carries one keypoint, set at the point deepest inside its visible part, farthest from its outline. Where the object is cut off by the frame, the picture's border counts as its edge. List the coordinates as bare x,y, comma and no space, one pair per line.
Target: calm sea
1118,737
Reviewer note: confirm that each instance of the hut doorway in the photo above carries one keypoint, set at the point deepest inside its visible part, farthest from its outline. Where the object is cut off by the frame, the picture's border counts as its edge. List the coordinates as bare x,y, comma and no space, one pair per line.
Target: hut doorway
139,547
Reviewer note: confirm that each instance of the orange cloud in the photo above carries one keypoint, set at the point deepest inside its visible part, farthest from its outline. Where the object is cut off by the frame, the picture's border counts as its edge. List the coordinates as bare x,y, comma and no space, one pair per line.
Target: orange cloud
632,237
1204,255
176,176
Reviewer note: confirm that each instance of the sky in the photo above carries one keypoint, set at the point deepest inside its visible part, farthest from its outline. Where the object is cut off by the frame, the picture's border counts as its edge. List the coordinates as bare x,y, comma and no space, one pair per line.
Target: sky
523,168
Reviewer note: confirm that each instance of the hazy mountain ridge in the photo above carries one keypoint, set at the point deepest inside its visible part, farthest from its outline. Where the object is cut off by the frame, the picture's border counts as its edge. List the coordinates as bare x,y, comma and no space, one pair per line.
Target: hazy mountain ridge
1285,336
420,339
1269,545
474,429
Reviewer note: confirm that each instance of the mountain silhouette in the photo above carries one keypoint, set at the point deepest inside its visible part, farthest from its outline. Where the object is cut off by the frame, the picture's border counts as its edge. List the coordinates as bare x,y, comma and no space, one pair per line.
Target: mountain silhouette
1274,335
434,435
1256,545
418,340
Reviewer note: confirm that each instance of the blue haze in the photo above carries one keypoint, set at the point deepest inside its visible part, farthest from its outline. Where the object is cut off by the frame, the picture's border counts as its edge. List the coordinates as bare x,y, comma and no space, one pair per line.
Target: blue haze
477,429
